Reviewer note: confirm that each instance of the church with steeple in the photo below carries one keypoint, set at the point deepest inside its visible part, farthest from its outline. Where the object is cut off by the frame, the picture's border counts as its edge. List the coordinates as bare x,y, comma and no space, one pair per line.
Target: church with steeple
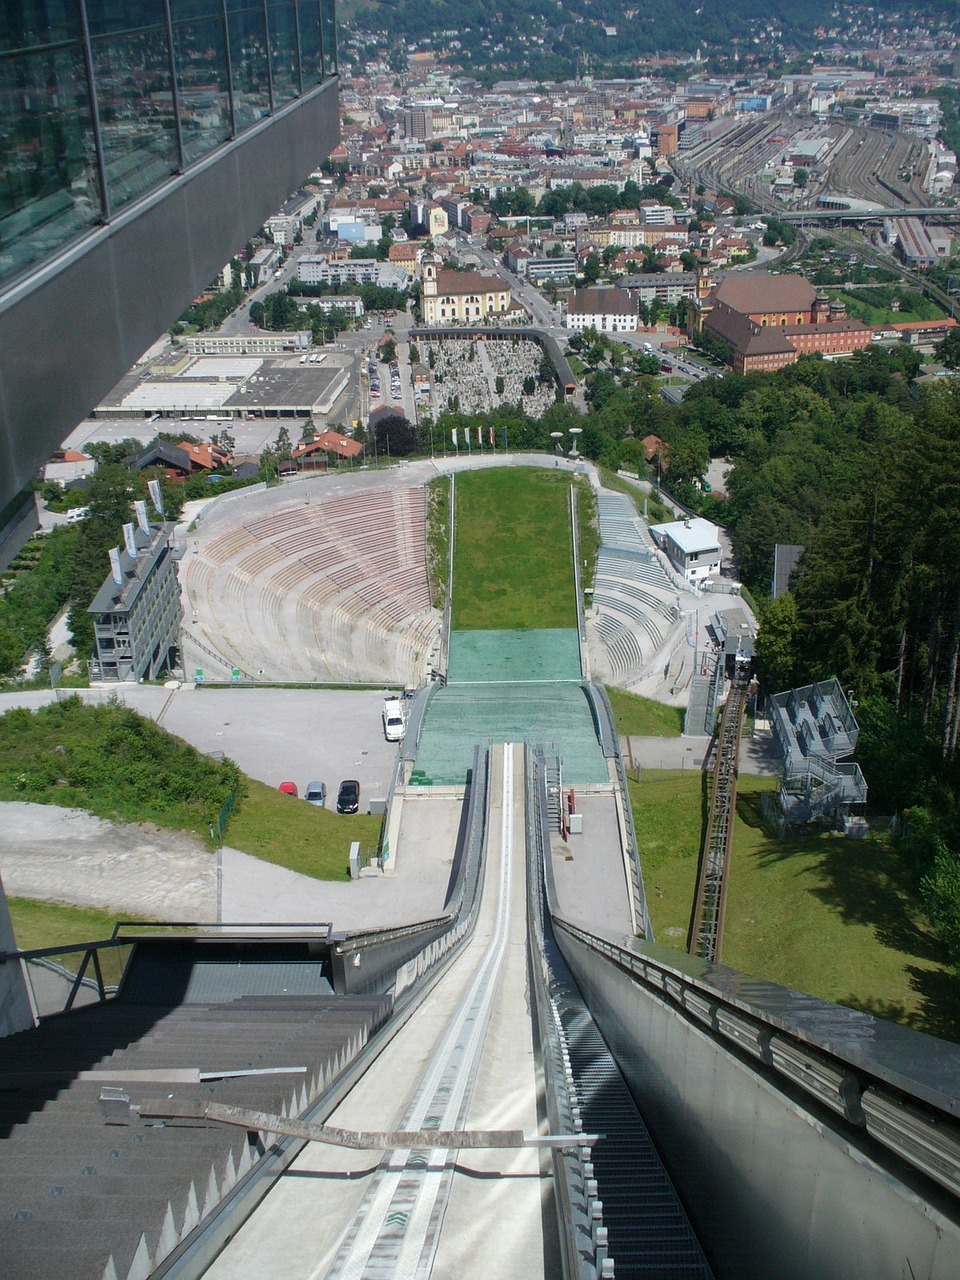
463,297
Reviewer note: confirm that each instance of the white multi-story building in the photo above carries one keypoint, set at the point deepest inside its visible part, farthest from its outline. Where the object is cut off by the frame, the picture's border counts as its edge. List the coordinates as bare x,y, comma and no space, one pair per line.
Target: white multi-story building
604,308
692,546
388,275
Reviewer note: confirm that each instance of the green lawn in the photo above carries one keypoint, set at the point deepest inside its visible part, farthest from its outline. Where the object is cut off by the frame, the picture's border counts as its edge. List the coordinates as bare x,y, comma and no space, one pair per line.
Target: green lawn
638,717
872,306
56,924
438,539
291,833
818,913
512,554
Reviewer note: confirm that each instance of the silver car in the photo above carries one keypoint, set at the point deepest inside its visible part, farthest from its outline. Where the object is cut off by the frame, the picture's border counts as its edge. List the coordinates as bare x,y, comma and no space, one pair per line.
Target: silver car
316,793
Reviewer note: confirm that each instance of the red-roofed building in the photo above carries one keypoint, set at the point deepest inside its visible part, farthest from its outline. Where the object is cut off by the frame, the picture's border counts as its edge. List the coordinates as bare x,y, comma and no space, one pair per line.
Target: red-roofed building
205,457
312,455
407,252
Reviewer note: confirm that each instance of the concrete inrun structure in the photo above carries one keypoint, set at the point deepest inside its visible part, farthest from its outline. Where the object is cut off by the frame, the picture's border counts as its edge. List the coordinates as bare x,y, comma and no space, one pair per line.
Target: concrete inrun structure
136,621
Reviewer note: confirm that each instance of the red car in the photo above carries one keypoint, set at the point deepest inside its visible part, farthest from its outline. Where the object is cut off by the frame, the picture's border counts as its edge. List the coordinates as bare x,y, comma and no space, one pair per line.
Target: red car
288,789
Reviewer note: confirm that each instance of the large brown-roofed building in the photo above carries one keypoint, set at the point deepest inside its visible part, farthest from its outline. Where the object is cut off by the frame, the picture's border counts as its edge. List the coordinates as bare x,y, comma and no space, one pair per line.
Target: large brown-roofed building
767,321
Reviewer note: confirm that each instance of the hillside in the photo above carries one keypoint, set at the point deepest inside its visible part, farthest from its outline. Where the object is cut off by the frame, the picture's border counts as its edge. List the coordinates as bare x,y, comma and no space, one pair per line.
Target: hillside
550,39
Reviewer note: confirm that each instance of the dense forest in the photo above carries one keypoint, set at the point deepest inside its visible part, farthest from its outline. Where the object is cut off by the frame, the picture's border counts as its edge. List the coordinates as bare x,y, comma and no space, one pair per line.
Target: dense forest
856,464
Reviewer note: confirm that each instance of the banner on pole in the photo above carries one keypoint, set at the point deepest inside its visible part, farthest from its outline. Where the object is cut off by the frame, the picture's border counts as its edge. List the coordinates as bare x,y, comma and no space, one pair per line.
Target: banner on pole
153,488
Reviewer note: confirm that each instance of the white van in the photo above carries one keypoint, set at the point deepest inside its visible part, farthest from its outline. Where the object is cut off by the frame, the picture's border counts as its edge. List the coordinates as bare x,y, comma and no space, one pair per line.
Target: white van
394,724
77,515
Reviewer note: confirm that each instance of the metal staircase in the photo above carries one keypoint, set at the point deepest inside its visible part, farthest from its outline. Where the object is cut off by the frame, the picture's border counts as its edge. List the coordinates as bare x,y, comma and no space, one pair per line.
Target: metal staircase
707,927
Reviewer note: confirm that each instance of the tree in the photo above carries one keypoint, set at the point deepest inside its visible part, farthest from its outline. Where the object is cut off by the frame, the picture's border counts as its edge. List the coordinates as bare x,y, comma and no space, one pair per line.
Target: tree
414,353
777,644
500,384
388,350
591,269
948,351
282,444
395,436
800,178
268,464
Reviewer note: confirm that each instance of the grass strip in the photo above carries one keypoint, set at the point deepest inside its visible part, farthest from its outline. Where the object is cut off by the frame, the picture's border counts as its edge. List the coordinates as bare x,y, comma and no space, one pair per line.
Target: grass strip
638,717
513,550
815,912
299,836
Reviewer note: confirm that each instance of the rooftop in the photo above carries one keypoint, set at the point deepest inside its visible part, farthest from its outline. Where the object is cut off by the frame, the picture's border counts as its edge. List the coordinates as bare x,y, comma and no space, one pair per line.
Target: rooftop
690,535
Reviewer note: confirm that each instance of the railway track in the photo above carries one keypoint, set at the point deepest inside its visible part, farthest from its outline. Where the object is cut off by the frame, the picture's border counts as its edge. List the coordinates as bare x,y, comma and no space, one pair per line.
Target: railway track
706,930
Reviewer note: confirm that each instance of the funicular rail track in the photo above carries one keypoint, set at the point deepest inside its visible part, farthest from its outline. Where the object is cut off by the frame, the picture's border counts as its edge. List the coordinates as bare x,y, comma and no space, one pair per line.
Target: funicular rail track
706,930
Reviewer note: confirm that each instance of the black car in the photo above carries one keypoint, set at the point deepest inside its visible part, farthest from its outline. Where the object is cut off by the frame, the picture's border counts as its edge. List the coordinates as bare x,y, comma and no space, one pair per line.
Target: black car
348,797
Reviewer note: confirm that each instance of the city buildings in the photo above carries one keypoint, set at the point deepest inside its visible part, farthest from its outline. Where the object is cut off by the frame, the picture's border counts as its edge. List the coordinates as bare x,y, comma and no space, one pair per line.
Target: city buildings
767,321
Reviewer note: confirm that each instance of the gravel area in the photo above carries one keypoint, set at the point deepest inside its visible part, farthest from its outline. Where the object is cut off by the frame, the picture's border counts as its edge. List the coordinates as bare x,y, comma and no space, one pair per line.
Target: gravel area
67,855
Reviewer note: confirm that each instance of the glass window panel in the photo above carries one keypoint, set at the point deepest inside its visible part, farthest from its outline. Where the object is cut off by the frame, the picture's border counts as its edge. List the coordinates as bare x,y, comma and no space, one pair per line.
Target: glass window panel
201,61
49,188
181,10
248,57
282,19
328,26
123,17
136,112
310,59
25,23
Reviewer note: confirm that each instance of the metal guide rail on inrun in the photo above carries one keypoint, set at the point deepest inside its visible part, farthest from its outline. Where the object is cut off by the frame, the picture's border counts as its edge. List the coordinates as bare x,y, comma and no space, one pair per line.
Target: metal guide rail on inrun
706,930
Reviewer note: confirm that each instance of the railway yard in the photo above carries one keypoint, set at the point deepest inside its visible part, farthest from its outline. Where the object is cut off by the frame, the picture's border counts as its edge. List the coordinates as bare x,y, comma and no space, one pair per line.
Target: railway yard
860,163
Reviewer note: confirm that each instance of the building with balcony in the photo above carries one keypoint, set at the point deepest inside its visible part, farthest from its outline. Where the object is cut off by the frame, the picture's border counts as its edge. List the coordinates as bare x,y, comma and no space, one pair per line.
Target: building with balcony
136,620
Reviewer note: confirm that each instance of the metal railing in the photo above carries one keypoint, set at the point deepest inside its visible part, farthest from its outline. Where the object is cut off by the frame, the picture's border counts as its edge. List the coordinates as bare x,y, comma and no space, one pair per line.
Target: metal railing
583,1235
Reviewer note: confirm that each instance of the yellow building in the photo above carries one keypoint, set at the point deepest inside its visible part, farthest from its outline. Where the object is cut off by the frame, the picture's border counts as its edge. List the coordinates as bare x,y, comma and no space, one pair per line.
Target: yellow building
461,297
438,224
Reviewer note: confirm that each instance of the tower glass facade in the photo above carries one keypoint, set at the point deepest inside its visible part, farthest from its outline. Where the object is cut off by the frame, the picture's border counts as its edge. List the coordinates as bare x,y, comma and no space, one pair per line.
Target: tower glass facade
102,101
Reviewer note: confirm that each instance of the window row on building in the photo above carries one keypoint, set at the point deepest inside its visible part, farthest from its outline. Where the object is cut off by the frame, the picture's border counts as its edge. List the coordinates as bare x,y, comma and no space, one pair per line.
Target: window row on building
101,101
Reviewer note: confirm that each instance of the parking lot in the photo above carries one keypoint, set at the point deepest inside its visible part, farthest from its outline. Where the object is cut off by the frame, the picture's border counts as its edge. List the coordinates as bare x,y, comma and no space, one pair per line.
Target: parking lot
274,735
